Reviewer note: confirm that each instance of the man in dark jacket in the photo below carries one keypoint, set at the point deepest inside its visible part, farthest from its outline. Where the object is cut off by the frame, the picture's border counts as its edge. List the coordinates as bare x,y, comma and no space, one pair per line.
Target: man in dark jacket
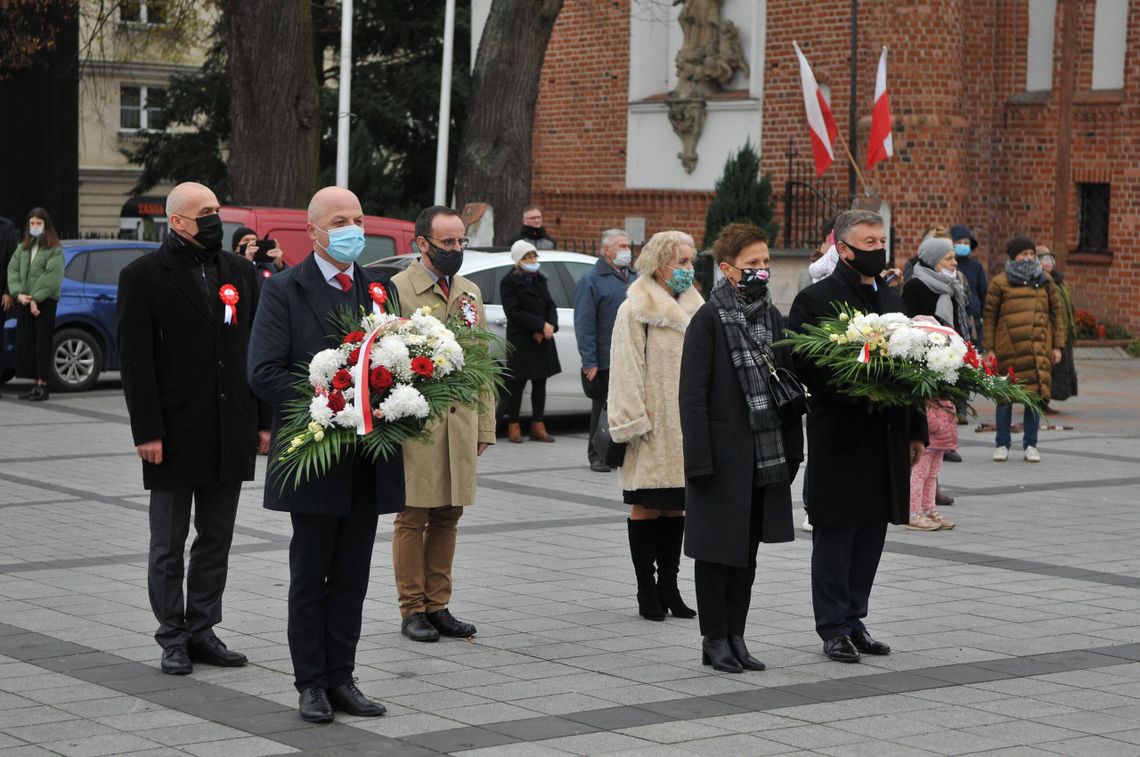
184,321
597,298
969,266
334,517
532,229
859,455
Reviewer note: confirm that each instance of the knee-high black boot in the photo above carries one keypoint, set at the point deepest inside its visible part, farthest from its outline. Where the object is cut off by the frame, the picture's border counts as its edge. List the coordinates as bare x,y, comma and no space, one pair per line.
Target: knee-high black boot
643,549
670,532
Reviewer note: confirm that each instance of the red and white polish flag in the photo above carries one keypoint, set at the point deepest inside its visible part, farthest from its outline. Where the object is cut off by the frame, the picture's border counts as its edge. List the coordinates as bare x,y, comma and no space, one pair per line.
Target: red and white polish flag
881,146
820,121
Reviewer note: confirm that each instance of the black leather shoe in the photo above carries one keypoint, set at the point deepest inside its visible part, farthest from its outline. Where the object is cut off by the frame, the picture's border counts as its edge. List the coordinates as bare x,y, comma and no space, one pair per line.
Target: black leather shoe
351,701
314,706
599,467
448,625
175,661
212,651
841,649
740,652
942,500
30,393
952,456
716,652
417,628
865,644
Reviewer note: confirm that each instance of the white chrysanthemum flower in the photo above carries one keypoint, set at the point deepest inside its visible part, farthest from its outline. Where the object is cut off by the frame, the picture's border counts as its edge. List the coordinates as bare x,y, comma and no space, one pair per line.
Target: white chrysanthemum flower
391,353
889,320
448,356
349,394
946,360
348,418
907,342
404,402
323,365
319,410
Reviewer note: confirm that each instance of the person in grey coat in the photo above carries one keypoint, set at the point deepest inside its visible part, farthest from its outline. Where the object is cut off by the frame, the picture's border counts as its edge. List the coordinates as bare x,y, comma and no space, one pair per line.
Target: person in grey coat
740,455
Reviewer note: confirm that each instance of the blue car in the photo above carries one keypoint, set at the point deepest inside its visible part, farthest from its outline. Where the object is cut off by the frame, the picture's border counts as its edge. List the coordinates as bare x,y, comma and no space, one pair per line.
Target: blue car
86,331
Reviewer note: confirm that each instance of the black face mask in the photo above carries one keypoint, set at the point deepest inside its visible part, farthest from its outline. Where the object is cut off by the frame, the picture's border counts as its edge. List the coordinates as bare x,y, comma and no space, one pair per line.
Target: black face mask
533,232
868,262
209,232
445,262
752,286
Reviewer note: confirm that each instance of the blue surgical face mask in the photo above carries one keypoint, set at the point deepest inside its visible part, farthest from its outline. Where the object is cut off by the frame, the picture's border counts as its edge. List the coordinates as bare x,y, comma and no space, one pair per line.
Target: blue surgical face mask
681,280
623,258
530,267
961,250
345,243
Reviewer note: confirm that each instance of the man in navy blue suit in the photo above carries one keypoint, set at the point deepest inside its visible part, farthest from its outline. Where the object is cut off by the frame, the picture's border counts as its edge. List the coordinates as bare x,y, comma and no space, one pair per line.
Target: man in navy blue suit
334,517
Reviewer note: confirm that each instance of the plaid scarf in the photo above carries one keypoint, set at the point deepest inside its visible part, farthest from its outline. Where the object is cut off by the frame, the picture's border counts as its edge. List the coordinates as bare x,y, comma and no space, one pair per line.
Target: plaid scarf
748,331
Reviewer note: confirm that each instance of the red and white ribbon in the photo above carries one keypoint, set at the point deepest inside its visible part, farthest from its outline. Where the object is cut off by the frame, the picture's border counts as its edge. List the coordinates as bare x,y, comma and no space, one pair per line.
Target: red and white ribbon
228,294
865,353
360,376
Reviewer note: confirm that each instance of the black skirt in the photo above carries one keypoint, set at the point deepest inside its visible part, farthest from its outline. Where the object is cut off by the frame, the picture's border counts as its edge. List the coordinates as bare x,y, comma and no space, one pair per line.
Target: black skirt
656,499
34,337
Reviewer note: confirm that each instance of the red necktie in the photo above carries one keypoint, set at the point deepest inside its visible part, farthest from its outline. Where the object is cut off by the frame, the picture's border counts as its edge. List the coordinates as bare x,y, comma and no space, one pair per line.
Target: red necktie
444,287
345,282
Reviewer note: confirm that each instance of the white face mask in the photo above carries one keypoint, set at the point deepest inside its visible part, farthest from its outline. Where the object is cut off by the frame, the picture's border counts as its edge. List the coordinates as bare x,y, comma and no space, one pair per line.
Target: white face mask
530,267
623,258
35,231
948,273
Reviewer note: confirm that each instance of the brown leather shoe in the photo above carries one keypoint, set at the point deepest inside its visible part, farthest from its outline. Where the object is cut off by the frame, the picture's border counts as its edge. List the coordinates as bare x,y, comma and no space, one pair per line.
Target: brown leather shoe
538,432
514,433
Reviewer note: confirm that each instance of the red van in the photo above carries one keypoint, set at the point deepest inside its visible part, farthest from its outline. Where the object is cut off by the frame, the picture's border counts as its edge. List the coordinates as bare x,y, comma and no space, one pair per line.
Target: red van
383,237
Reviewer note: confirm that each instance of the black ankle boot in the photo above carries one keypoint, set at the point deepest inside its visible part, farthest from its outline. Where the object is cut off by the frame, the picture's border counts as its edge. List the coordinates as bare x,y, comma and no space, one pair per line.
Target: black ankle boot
643,548
670,533
717,653
40,393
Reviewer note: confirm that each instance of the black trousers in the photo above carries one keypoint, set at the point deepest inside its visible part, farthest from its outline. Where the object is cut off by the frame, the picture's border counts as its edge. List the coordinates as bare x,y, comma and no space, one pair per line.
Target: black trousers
190,619
843,566
34,337
329,560
515,388
724,592
598,391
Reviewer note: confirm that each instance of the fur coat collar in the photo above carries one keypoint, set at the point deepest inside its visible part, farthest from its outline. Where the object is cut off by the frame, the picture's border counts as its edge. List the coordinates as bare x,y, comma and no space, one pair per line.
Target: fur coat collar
652,305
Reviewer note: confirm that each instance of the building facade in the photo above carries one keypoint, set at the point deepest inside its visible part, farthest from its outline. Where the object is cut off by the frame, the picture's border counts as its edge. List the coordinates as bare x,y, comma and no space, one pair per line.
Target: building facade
986,126
131,55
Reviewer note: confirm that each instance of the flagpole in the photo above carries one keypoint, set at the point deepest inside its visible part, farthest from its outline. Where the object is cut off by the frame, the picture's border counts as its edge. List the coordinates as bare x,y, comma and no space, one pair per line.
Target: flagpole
444,136
854,165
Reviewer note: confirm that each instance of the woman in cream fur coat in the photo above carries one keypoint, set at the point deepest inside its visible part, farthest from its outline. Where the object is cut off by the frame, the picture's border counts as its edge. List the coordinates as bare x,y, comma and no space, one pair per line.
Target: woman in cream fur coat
645,367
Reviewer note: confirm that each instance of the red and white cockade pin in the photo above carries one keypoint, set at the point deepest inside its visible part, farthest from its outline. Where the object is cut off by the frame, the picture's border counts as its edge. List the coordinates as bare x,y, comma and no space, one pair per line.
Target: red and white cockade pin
379,296
228,294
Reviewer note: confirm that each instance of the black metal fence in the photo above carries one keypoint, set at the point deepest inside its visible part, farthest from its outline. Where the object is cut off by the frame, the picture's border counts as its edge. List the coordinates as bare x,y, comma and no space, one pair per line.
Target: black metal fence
807,205
584,246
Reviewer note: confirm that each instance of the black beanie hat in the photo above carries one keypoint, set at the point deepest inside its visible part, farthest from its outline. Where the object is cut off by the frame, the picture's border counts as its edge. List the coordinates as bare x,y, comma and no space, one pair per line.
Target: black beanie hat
238,234
1019,244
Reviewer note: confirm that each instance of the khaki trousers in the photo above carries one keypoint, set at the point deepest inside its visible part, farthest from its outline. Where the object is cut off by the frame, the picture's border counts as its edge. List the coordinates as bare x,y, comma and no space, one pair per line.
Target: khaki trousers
423,545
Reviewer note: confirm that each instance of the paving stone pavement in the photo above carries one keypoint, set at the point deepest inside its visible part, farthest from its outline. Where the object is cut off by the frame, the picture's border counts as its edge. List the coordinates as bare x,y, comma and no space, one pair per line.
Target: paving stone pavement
1016,633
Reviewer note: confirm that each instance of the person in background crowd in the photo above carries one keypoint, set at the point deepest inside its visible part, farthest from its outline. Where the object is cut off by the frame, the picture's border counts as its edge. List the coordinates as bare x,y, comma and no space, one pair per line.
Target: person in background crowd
860,453
807,277
1025,329
740,456
439,474
937,231
597,298
532,229
1064,372
935,291
9,241
244,243
649,331
333,517
196,424
35,278
532,319
965,247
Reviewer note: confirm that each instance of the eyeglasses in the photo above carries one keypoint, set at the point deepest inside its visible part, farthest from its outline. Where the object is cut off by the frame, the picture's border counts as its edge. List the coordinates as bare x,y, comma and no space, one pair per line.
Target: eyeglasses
451,243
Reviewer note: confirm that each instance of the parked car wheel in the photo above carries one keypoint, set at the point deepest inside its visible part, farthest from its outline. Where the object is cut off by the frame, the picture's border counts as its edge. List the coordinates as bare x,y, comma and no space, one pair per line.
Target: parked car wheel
77,361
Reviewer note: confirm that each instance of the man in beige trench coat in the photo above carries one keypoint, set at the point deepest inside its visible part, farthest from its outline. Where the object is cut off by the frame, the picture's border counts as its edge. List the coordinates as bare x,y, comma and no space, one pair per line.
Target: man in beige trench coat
440,475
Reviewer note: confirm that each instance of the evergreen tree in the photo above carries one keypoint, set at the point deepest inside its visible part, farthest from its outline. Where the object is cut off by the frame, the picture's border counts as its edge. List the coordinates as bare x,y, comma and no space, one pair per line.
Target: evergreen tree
742,195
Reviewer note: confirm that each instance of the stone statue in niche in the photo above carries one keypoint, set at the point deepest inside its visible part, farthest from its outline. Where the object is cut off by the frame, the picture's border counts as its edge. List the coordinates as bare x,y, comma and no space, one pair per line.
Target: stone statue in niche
709,57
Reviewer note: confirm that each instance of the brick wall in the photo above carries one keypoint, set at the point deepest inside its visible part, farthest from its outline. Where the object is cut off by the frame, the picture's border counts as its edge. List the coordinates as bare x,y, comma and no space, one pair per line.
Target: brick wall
970,147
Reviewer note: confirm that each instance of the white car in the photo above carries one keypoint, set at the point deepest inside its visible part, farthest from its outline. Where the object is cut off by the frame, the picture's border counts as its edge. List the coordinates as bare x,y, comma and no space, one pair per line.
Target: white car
562,270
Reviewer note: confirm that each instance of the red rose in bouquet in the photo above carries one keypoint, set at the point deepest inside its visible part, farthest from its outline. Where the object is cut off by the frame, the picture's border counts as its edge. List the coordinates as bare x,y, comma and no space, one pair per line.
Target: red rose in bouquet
342,379
380,379
336,401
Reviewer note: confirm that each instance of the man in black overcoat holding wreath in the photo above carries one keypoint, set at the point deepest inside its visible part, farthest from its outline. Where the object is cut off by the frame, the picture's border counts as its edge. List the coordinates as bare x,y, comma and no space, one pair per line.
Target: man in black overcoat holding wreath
184,321
859,455
334,516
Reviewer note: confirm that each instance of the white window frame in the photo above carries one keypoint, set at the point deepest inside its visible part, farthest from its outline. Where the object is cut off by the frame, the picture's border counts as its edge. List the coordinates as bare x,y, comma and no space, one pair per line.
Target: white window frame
1041,36
144,116
1110,43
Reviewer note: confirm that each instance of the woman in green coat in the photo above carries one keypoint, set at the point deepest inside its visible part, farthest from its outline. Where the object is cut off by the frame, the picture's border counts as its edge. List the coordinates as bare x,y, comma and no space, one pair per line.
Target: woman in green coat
35,276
